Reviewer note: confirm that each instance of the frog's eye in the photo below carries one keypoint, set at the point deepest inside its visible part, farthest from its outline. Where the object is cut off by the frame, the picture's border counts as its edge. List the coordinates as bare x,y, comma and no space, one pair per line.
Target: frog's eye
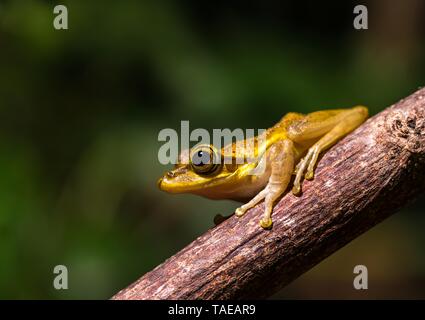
204,160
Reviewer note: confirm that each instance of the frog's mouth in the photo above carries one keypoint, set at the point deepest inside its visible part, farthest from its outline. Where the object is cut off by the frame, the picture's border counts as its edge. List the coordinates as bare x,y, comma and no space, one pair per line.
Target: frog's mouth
176,182
171,184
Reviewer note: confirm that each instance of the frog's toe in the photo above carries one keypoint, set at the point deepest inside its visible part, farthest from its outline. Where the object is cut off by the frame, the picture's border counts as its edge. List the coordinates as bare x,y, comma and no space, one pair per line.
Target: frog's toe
296,190
266,223
239,212
309,175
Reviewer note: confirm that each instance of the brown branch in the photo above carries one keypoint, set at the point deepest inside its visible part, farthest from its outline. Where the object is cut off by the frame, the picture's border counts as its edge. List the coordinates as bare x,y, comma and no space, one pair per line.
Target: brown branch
366,177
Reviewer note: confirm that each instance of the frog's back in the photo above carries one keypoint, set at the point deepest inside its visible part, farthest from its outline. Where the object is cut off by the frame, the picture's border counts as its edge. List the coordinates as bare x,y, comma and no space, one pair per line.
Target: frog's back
294,121
280,129
287,120
290,124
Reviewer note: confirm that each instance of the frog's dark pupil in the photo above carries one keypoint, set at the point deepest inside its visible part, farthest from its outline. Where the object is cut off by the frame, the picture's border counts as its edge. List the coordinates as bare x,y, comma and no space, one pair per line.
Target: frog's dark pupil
202,158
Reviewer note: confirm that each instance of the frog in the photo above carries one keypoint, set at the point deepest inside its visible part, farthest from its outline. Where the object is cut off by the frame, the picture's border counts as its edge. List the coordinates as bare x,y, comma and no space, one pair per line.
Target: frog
289,153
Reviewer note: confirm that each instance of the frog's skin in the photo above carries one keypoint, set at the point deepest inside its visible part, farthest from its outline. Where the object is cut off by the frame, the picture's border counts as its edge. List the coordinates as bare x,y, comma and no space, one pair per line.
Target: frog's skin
292,146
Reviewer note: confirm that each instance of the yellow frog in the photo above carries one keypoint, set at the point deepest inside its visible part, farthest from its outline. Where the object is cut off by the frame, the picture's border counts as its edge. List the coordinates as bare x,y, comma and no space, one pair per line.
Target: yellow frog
292,146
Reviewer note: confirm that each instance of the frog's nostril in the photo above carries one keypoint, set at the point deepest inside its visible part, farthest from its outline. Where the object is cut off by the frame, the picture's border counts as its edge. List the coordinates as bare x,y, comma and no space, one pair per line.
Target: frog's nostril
170,174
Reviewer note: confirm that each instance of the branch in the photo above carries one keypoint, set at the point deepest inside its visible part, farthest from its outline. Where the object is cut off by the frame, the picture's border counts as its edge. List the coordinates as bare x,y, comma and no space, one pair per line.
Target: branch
359,182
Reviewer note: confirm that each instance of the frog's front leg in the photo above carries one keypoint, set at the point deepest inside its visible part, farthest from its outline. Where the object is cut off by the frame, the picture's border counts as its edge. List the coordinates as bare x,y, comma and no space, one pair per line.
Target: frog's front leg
281,157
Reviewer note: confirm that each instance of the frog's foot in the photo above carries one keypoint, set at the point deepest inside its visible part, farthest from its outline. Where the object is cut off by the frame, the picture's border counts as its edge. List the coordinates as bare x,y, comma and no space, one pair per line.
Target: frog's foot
239,212
266,221
269,194
306,165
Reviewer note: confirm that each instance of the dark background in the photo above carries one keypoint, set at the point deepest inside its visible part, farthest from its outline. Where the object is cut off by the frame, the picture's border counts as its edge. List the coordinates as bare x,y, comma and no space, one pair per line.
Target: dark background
80,111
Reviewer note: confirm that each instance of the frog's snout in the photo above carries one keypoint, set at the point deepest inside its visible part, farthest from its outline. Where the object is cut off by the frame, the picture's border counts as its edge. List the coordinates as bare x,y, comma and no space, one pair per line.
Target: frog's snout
165,181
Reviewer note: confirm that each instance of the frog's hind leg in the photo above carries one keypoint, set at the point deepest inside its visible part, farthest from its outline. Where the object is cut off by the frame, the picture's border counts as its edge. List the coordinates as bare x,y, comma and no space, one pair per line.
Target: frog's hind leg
333,129
281,157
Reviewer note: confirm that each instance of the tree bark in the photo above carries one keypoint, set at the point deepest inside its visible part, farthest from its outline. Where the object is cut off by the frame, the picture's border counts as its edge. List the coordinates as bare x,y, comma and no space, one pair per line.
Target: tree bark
359,182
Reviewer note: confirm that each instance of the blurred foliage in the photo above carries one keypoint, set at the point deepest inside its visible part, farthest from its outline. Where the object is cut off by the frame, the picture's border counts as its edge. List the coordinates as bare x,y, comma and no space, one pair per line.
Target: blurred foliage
80,111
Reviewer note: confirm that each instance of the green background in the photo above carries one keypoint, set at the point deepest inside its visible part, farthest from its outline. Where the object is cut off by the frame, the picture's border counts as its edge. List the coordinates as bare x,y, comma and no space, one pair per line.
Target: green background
80,111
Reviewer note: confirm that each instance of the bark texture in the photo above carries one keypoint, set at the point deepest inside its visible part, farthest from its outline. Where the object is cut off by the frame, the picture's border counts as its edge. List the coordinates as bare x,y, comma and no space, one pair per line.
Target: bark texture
360,181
